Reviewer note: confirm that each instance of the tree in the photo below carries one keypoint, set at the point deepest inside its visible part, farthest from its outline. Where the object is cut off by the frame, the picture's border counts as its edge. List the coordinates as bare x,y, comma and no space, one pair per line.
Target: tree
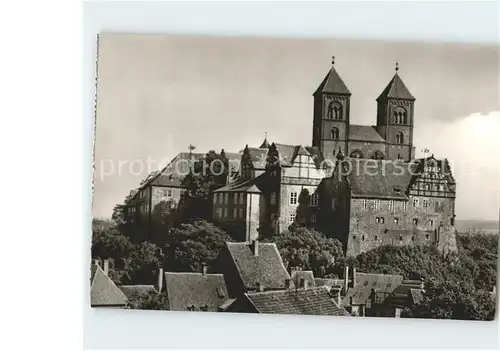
149,301
142,262
208,174
164,216
109,243
309,249
191,245
454,299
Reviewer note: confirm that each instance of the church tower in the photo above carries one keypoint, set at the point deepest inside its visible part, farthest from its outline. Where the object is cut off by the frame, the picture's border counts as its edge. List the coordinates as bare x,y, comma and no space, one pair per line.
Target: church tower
331,114
395,119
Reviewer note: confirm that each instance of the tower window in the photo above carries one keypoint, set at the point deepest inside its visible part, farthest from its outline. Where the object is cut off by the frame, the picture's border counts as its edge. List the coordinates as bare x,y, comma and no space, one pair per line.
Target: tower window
314,200
335,110
335,133
399,138
273,198
292,217
399,116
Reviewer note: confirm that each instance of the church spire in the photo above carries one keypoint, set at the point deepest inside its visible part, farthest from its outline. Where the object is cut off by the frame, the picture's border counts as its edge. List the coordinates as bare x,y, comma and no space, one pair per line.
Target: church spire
396,89
265,144
332,83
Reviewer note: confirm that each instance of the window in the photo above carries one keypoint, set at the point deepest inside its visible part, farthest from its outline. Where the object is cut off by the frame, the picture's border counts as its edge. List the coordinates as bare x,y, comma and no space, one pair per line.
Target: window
235,198
242,213
219,212
226,198
399,115
225,212
335,110
313,218
426,203
441,187
380,220
431,222
391,205
427,236
441,224
335,133
399,138
215,199
273,198
400,238
364,204
242,198
314,199
376,237
413,238
396,220
354,237
292,217
169,192
415,221
427,187
362,237
334,204
377,204
404,206
235,213
366,282
293,198
415,203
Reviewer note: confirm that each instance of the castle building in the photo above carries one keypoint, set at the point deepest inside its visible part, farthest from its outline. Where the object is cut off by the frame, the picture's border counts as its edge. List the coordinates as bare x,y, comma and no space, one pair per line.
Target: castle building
360,184
372,192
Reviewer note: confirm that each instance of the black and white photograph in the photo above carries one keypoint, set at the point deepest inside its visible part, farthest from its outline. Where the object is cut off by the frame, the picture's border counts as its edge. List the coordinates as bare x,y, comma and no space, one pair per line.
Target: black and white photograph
296,176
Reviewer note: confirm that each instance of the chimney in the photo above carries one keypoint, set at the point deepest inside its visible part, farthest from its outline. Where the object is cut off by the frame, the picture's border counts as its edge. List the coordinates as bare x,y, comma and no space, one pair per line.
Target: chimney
255,247
287,284
303,283
346,277
204,269
353,283
259,287
160,279
336,292
106,267
96,262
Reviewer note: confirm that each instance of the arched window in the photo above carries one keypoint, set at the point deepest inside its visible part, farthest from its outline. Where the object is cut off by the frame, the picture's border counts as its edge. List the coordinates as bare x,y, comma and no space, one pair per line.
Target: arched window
399,115
356,154
399,138
335,133
335,110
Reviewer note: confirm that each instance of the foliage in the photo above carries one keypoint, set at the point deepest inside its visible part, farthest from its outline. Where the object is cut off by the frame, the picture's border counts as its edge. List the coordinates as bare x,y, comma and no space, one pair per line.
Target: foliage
142,262
191,245
309,249
164,216
454,299
208,174
149,301
109,243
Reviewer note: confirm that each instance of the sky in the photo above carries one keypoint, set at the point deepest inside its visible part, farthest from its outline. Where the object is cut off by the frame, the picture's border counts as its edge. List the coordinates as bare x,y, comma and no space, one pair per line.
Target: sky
157,94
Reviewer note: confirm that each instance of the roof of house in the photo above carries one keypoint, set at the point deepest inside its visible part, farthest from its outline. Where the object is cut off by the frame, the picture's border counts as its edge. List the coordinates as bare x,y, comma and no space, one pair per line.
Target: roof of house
382,284
396,89
103,291
297,275
310,301
185,290
258,157
137,290
241,185
265,144
266,268
364,133
333,84
379,178
405,295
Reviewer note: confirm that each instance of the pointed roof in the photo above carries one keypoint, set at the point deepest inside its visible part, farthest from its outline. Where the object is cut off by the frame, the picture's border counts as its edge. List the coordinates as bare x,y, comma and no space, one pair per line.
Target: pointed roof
333,84
265,144
396,89
103,291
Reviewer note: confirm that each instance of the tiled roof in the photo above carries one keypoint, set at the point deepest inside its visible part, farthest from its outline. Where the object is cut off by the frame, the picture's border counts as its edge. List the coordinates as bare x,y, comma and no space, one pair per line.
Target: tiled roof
258,157
383,284
137,290
185,290
396,89
266,268
247,186
308,276
379,178
265,144
405,295
364,133
103,292
333,84
328,282
310,301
